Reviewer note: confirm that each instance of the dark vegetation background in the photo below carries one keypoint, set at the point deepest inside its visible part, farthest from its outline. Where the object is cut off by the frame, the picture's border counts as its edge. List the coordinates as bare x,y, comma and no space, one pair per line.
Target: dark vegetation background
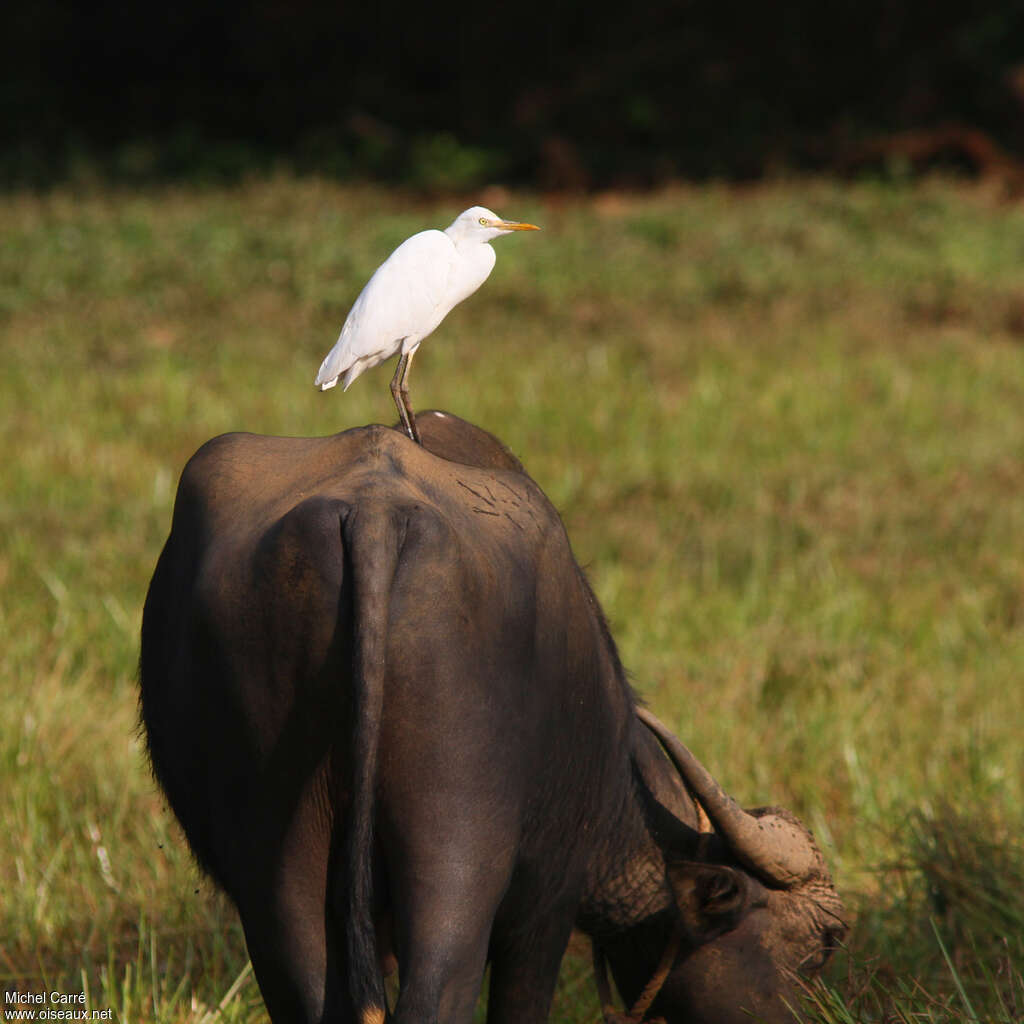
542,93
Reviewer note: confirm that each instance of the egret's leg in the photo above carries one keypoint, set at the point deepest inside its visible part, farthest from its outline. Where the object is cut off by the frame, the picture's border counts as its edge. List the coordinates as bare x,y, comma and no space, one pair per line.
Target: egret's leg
399,392
408,416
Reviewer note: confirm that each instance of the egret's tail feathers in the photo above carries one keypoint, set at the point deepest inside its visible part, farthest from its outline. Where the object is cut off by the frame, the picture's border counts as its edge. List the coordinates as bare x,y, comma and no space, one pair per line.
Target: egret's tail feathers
353,371
331,368
334,368
326,376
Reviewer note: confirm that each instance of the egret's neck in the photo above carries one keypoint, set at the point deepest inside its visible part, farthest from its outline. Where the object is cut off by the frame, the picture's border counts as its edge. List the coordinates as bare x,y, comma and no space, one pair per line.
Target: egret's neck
466,240
472,266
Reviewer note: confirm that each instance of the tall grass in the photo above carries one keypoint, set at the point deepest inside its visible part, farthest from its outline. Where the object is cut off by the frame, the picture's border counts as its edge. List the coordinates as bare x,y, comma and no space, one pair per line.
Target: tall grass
945,940
785,428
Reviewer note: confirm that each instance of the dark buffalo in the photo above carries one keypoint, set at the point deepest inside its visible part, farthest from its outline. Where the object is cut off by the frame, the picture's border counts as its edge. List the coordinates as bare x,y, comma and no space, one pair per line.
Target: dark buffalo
384,705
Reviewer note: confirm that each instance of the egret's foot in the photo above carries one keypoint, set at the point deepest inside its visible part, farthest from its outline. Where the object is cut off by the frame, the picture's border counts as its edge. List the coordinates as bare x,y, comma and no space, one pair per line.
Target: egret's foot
408,417
400,393
411,430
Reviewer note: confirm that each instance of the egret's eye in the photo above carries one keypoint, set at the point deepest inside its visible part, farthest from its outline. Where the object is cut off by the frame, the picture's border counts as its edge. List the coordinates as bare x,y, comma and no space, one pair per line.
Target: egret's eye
483,221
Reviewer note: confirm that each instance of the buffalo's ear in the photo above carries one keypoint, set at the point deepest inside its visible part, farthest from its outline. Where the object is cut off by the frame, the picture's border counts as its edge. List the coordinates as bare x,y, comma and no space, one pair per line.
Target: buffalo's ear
712,898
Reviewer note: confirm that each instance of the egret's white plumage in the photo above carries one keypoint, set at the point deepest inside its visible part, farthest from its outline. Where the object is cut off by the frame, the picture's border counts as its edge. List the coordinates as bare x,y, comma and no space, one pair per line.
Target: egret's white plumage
410,293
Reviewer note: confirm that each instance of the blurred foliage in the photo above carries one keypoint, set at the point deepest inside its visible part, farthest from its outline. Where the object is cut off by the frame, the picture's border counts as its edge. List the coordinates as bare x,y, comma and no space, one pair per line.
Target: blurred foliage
454,95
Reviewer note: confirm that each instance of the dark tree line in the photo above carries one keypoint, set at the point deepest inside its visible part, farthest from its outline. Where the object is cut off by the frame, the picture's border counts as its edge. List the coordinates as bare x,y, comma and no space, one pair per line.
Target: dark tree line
549,93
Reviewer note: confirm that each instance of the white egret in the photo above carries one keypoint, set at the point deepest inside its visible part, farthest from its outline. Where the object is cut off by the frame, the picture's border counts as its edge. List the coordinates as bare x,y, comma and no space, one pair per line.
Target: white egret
410,293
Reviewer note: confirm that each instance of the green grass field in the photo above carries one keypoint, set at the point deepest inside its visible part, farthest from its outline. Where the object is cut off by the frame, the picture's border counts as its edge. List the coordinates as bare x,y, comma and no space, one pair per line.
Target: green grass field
785,428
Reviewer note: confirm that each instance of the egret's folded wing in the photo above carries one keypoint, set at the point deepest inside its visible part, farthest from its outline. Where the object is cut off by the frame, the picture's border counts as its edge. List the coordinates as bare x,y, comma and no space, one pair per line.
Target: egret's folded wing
403,296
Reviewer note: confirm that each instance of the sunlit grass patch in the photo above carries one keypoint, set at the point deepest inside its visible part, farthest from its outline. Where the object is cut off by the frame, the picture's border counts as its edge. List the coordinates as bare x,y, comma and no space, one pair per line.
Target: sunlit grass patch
944,939
783,425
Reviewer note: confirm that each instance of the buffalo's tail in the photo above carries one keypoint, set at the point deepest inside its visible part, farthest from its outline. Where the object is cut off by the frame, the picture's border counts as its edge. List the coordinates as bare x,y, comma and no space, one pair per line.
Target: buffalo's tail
372,536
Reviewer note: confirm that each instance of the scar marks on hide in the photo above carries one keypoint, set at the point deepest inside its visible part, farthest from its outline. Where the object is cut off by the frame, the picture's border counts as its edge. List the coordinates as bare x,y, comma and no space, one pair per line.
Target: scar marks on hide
488,498
490,504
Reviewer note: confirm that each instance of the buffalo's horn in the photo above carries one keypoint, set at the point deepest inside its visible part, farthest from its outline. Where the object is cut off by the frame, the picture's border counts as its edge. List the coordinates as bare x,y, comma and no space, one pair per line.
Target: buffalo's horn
776,849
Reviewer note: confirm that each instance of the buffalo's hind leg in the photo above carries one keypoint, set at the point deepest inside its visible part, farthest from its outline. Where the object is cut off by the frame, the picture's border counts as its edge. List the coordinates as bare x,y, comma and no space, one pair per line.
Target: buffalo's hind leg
295,948
524,968
292,961
444,902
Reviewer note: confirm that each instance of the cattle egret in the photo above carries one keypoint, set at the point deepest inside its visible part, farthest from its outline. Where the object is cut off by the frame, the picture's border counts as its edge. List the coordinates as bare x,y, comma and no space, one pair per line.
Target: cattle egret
410,293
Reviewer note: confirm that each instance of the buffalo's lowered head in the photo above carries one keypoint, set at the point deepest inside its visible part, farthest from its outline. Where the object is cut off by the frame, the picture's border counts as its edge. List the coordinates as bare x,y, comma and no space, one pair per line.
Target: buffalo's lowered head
752,909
